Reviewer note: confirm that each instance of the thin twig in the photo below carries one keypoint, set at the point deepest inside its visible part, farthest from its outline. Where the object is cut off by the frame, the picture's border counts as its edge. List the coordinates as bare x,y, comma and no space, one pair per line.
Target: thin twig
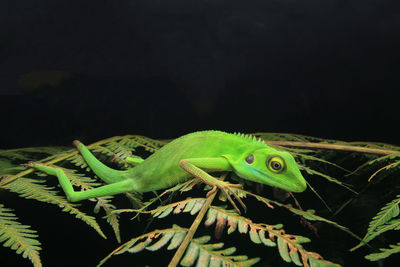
189,236
350,148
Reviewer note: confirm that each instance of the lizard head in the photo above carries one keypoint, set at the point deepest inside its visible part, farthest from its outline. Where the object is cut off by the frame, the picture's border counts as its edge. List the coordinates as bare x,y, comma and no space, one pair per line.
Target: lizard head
271,167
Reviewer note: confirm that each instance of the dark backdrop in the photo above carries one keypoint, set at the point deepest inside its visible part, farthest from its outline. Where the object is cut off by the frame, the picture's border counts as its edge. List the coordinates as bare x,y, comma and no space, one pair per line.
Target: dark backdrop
164,68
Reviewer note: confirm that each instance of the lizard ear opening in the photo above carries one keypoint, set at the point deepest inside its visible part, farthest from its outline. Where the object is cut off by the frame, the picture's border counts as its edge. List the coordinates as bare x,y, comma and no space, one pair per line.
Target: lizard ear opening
250,159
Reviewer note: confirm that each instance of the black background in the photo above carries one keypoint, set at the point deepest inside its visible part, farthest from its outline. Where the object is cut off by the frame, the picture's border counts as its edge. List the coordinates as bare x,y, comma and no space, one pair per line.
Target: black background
165,68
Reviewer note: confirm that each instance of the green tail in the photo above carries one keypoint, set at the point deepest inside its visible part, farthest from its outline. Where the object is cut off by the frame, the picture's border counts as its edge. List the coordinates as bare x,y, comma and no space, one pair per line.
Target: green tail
105,173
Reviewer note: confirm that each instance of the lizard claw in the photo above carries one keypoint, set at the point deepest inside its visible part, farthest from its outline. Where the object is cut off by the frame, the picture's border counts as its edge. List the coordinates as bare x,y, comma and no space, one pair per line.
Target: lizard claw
226,188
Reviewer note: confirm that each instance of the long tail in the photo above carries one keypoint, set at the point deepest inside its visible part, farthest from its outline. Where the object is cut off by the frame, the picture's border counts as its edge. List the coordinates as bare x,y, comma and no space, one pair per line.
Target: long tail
105,173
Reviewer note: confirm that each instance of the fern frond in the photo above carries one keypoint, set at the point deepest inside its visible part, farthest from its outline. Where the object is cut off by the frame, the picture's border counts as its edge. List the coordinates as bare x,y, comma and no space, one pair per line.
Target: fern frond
174,236
305,157
327,177
308,214
8,168
19,237
208,255
121,150
311,216
27,152
79,161
184,187
383,221
111,217
34,189
229,218
385,252
385,168
148,144
86,183
77,179
289,246
375,161
109,149
192,205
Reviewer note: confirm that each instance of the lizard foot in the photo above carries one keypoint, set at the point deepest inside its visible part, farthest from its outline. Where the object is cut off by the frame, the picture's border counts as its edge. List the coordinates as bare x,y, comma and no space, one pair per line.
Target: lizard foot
227,189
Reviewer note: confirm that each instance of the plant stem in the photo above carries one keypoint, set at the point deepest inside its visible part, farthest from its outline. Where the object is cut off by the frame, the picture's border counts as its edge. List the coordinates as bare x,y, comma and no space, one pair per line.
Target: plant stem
189,236
350,148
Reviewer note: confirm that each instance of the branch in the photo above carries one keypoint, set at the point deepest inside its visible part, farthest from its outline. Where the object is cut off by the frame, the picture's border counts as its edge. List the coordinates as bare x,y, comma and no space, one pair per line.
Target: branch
189,236
327,146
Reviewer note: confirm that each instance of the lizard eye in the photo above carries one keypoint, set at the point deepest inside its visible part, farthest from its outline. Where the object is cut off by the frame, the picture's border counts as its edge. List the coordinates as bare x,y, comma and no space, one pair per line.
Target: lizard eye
250,159
275,164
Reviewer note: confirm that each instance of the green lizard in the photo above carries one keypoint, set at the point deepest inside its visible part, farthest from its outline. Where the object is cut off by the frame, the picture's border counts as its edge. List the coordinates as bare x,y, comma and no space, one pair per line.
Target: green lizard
192,155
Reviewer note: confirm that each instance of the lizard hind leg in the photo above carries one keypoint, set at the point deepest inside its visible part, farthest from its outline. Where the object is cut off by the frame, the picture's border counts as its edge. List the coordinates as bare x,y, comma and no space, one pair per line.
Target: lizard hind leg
73,196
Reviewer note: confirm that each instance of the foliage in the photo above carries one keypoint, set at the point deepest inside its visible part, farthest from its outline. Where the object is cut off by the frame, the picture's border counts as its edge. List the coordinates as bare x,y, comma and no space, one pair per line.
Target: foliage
18,236
344,170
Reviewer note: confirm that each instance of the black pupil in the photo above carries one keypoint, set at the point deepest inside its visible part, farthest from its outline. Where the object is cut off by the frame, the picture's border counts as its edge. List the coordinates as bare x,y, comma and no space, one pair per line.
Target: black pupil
275,165
250,159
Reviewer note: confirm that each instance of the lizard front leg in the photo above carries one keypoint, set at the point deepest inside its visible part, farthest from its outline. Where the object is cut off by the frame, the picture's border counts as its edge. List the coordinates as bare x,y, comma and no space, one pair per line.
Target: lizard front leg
195,167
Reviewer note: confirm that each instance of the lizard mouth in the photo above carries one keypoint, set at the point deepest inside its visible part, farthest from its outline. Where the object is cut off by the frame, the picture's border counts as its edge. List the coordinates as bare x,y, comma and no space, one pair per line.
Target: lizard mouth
279,183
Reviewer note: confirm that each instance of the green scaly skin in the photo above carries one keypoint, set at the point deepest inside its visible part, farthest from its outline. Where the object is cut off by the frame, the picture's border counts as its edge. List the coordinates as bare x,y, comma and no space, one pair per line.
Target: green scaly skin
192,155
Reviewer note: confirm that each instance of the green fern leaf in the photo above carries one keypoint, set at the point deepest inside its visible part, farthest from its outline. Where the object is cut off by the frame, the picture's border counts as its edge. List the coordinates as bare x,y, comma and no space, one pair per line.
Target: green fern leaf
385,168
28,153
309,214
382,222
174,236
209,255
283,250
33,189
120,150
184,187
385,252
327,177
162,242
289,246
192,205
86,183
176,240
79,161
8,168
304,157
111,217
77,179
19,237
148,144
375,161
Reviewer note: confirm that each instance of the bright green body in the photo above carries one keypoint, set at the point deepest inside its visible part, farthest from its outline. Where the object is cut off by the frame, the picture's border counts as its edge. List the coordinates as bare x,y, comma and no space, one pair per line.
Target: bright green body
162,170
192,155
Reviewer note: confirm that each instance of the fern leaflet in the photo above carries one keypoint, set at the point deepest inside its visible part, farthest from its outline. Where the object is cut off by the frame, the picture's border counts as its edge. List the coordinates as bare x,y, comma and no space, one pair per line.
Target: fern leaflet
174,236
289,246
33,189
208,255
382,222
18,236
385,252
